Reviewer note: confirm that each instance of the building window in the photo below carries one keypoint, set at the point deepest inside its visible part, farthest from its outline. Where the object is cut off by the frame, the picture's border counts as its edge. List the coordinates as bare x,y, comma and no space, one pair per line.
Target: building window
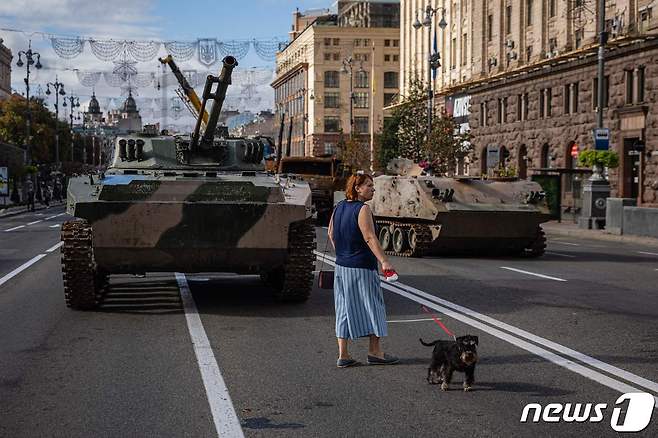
549,102
528,53
508,19
574,98
483,114
330,148
519,108
391,79
357,43
645,18
336,56
640,84
567,99
366,42
465,49
453,53
595,92
551,8
629,86
396,58
327,56
361,99
332,79
332,99
361,125
327,41
500,111
389,99
362,80
336,41
504,109
541,103
490,28
396,43
331,124
387,43
578,37
528,20
387,58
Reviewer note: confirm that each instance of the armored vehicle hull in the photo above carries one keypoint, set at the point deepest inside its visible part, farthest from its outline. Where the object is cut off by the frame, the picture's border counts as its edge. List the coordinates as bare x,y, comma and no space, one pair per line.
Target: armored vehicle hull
422,215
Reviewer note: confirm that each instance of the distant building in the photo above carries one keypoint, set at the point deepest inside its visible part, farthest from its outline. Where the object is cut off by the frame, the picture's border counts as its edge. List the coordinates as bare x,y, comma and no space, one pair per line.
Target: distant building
262,124
94,116
5,71
313,88
126,119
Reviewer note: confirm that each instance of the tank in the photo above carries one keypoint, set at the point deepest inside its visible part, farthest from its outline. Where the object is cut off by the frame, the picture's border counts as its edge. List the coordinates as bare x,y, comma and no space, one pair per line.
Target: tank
420,215
188,203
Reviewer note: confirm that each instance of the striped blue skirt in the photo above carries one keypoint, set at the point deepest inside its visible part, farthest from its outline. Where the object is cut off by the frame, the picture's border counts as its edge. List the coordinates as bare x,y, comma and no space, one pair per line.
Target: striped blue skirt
359,303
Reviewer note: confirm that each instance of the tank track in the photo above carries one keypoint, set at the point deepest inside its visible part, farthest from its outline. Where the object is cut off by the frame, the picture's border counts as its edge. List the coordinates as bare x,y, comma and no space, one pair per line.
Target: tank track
423,238
296,278
83,282
538,247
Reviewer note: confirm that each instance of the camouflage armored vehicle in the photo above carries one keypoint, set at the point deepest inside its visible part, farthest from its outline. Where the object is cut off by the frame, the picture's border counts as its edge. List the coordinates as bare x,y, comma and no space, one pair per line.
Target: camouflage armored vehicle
418,215
199,203
322,176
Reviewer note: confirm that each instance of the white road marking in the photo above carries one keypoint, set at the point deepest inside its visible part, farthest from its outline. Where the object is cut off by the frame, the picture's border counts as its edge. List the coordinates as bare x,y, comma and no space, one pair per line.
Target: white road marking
548,277
55,247
647,253
57,215
423,297
16,228
564,243
413,320
35,222
55,226
226,420
21,268
560,254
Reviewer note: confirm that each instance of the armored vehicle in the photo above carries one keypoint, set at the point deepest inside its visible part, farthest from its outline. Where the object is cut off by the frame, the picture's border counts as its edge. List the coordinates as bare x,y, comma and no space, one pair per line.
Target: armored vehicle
418,215
321,173
188,203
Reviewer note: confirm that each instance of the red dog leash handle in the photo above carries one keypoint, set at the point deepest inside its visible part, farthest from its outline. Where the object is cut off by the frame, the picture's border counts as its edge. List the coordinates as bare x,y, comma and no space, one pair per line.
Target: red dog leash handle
445,329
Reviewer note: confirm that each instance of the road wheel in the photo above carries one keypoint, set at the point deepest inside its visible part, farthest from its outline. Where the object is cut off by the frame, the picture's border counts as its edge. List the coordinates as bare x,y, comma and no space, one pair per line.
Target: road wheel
81,279
538,247
385,237
399,240
293,283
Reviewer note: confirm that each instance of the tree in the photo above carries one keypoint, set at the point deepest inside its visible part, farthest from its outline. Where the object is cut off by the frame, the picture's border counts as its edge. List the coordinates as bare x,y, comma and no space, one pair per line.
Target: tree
13,119
353,154
445,145
388,145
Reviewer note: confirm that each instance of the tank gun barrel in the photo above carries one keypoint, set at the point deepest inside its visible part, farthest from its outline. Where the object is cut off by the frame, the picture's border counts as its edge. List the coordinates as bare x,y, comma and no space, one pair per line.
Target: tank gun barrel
186,87
223,81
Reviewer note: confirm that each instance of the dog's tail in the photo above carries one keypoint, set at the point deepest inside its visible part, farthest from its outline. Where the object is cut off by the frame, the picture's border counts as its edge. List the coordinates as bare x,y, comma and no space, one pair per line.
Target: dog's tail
431,344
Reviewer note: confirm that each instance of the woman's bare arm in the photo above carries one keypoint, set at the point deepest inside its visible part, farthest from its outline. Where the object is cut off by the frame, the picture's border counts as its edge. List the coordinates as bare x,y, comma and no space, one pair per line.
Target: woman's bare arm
367,227
330,233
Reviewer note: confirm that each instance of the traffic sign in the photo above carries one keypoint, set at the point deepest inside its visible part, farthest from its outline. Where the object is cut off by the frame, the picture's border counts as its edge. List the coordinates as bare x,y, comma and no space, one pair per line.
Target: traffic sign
601,139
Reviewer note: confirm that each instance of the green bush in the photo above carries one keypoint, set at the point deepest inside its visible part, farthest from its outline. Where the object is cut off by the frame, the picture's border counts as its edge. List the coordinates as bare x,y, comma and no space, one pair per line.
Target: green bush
590,158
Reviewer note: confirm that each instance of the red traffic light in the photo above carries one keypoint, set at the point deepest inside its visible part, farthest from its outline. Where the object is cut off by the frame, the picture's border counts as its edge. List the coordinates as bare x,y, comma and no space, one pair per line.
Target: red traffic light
574,150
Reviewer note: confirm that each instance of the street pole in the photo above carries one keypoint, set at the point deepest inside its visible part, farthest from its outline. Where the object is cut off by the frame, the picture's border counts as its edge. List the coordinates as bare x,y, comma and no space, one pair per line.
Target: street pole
372,109
29,58
430,93
603,36
59,91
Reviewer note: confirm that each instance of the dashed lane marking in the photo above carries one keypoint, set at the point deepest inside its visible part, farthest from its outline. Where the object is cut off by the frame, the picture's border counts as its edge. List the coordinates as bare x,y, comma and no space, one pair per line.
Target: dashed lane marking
35,222
21,268
548,277
565,243
57,215
478,320
55,226
560,254
647,253
226,420
55,247
16,228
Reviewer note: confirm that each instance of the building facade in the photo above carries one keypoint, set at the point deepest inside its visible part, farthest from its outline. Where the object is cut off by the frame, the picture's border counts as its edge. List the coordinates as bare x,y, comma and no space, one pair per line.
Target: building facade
337,73
5,71
127,119
528,70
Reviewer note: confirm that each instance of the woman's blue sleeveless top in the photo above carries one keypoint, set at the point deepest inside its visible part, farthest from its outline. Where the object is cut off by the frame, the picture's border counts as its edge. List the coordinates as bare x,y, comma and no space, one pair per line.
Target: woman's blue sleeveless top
351,249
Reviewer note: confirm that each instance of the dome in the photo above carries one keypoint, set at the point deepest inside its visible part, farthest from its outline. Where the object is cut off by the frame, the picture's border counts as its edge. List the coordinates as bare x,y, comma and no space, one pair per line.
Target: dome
129,106
94,106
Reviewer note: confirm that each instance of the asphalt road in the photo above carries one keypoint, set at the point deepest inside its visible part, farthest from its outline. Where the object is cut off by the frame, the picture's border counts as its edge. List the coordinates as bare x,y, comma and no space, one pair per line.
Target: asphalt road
576,326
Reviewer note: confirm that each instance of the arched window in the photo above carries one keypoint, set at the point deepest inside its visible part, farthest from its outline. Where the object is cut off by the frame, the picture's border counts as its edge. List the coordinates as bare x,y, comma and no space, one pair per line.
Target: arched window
483,161
522,161
568,159
503,155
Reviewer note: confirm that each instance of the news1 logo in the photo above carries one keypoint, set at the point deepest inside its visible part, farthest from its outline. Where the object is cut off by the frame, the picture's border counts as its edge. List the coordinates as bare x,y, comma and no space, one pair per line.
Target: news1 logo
638,412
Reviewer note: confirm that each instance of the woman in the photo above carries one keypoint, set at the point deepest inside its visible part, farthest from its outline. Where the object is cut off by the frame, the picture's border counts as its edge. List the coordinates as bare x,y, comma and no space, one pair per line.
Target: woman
358,296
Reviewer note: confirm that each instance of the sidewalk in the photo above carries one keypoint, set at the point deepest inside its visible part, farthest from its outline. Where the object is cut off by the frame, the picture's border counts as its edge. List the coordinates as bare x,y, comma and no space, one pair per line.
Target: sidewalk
571,229
19,209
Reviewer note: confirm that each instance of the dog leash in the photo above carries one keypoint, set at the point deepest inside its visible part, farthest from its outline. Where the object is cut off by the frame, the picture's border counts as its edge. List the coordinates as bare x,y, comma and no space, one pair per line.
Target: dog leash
436,320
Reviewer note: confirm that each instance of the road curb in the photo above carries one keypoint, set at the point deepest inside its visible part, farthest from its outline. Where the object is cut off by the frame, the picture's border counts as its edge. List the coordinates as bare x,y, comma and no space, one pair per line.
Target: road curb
600,235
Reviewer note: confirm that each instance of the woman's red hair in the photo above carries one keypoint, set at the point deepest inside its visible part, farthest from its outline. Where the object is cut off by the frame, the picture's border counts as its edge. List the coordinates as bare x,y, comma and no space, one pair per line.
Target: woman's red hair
353,182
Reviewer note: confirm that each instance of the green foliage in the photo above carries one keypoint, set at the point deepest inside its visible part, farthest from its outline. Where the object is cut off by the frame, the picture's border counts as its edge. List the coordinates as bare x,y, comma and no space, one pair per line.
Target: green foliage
590,158
505,172
388,145
445,144
13,122
353,154
30,170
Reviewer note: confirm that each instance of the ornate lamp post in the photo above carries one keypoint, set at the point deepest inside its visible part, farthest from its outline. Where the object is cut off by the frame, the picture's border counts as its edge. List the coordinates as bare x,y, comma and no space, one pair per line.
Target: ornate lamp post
74,103
59,90
348,68
31,58
433,59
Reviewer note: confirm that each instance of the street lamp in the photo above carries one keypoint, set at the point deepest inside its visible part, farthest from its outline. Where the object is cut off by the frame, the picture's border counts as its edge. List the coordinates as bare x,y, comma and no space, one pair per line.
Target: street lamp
74,102
348,68
434,59
59,91
31,58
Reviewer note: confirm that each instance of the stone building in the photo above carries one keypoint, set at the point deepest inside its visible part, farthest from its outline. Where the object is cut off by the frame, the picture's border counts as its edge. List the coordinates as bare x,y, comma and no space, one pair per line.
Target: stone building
530,78
5,71
127,119
318,89
93,116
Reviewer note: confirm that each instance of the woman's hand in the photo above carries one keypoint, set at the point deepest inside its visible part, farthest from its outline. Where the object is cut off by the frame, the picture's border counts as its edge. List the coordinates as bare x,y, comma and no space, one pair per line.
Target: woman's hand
387,266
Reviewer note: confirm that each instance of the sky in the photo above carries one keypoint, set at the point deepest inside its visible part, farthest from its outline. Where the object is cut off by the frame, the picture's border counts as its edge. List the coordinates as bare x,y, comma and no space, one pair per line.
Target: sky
160,20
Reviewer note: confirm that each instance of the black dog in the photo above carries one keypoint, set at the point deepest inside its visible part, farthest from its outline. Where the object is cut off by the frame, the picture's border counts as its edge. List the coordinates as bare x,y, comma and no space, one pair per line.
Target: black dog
449,356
